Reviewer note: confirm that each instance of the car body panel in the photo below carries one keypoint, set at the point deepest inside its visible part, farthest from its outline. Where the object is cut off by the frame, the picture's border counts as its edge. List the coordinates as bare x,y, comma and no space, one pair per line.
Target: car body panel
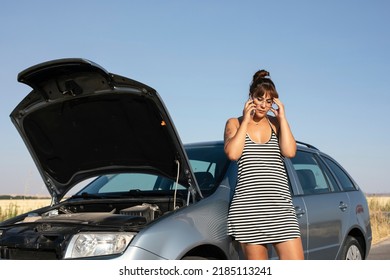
326,224
302,216
171,234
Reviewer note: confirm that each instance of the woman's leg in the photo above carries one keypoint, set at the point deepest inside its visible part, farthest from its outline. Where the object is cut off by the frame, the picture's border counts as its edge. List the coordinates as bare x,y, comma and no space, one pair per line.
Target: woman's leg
255,252
290,249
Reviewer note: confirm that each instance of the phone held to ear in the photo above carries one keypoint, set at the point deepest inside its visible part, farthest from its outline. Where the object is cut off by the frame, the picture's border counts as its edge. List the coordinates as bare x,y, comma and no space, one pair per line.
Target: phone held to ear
254,110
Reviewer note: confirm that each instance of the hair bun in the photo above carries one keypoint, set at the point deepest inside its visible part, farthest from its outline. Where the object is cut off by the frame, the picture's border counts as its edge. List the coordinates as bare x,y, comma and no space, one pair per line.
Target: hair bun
261,83
260,74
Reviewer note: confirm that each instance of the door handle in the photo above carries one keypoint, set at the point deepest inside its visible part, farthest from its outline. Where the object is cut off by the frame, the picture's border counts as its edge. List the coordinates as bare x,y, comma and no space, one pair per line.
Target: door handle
299,212
343,206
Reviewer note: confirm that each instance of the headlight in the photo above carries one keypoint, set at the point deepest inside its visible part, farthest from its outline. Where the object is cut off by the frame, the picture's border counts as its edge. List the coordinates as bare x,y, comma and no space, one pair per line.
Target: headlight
91,244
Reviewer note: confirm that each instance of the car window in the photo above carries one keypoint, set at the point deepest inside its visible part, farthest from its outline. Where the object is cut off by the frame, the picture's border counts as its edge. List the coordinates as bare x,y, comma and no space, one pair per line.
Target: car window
344,180
311,176
125,182
204,172
208,163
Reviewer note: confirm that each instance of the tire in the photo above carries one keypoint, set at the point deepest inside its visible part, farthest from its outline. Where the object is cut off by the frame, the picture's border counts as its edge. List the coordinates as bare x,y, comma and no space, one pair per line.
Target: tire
352,250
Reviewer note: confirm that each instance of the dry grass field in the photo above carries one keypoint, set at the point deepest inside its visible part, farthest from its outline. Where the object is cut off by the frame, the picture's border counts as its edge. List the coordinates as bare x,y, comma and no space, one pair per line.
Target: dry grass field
12,207
379,212
380,217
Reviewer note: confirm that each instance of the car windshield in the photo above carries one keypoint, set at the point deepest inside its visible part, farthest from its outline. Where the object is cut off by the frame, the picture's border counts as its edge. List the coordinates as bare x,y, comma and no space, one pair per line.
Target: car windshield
208,162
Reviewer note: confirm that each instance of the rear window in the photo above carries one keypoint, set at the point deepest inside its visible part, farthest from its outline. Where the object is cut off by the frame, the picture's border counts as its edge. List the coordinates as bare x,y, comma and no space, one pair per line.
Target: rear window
345,182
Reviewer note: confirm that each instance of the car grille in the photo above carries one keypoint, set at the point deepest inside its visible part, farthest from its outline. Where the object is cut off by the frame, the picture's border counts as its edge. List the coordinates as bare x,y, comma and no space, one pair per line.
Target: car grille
27,254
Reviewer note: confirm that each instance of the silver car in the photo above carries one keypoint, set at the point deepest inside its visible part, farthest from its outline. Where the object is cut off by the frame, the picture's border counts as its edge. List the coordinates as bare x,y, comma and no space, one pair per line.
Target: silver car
147,196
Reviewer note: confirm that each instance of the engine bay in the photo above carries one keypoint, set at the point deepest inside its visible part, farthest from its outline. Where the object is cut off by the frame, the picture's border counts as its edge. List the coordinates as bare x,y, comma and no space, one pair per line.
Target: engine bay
45,233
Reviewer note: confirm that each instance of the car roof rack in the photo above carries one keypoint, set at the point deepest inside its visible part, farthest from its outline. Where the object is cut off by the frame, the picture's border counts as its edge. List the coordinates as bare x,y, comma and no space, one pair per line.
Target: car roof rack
307,145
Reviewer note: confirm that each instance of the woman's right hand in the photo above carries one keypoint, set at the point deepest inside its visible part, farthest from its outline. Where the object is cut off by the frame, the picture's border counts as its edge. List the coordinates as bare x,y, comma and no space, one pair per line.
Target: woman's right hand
248,111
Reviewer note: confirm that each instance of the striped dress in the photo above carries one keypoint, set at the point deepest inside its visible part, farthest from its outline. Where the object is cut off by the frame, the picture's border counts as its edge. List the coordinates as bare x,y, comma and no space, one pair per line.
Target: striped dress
261,211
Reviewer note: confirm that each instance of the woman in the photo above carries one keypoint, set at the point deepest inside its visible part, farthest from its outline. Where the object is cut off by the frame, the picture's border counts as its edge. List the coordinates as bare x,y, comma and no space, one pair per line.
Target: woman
261,211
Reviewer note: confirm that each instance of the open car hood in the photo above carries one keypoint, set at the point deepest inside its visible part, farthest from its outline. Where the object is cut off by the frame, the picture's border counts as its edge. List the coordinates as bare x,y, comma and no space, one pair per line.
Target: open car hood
81,121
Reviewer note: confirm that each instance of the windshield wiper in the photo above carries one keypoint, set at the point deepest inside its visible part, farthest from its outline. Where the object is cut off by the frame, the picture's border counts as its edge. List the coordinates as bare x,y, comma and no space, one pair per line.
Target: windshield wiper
86,195
135,191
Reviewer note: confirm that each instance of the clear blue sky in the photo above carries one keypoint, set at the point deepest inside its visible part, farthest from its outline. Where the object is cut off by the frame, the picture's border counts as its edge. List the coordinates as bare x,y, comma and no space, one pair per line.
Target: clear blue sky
329,59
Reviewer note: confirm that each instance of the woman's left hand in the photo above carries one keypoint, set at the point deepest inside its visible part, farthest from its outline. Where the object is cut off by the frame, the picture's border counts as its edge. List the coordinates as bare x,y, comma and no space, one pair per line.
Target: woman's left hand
279,111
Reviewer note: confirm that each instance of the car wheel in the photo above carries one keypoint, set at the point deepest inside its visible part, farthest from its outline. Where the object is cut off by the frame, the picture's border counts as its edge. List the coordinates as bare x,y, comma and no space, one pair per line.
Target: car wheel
352,249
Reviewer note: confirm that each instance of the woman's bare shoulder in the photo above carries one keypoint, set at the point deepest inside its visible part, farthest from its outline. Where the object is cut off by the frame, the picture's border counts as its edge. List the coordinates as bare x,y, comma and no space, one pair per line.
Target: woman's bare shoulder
274,122
234,121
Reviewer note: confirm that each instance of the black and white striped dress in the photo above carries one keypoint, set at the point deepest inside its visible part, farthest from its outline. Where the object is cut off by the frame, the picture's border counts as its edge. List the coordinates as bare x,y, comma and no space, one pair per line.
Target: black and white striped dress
261,211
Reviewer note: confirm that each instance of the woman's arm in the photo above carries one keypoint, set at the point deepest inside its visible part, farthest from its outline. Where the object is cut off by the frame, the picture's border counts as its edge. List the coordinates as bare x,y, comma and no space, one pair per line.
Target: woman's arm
235,133
288,146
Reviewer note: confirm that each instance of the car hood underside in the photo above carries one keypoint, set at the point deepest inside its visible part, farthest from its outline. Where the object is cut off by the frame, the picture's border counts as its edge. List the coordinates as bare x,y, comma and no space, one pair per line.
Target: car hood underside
81,121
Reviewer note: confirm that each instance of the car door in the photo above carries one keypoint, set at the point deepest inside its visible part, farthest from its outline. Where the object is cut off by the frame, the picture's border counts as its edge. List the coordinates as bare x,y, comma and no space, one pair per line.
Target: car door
326,206
301,213
300,210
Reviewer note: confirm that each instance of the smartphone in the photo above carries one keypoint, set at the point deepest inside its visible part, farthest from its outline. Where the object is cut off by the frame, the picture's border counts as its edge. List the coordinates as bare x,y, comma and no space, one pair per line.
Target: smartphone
254,110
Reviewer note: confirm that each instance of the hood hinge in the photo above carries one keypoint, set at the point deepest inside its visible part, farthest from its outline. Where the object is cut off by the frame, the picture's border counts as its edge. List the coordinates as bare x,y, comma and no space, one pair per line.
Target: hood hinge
51,188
